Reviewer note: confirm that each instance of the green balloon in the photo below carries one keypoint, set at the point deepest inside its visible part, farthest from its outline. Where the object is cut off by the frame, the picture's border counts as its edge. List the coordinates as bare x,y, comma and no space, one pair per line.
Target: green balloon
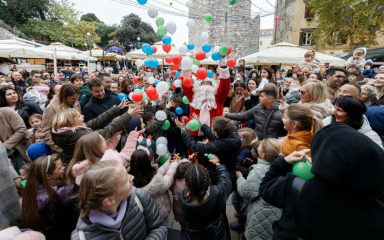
208,17
23,183
169,97
170,84
162,30
233,2
166,125
185,100
193,125
196,62
159,21
164,158
303,169
138,90
223,50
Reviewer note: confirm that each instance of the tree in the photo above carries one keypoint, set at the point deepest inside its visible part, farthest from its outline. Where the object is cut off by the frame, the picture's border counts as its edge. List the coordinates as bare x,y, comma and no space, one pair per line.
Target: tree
132,27
103,30
77,33
90,17
357,22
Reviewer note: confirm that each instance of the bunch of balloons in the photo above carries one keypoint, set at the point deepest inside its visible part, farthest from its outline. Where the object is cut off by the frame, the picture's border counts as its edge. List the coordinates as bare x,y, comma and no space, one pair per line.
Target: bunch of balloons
147,49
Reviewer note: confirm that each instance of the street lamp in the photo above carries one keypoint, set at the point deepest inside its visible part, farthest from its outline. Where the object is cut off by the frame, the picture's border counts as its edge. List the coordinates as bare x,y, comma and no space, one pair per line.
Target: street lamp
138,42
89,44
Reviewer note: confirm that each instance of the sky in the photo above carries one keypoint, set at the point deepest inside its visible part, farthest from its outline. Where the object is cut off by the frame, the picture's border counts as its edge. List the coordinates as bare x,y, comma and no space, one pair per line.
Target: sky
112,11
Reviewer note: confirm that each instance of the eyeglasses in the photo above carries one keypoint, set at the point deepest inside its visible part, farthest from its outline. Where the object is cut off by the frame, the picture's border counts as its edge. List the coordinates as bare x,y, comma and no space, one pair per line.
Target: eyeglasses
340,76
301,92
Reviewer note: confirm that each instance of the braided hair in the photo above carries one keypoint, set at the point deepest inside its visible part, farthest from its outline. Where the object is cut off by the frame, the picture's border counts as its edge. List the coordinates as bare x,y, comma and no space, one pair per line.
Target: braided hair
198,180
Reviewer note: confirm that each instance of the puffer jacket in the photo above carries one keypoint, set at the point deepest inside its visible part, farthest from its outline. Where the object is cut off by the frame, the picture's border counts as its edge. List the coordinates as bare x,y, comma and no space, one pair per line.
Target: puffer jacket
260,214
27,110
265,126
159,185
205,220
136,225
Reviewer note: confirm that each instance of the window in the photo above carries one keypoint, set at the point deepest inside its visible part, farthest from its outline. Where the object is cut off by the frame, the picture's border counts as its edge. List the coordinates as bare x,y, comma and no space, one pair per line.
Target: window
306,39
261,43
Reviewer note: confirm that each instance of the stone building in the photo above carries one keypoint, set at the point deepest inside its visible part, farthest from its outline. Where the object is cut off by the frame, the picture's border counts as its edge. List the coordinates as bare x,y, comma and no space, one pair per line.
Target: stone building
240,31
6,32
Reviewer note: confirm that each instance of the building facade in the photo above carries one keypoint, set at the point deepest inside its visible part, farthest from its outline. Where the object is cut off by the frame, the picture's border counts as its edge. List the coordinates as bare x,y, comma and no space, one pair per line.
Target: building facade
231,25
265,39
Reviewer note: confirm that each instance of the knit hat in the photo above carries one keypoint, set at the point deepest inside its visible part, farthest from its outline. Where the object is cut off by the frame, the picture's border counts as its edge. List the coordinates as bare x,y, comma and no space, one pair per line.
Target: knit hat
361,48
369,62
37,150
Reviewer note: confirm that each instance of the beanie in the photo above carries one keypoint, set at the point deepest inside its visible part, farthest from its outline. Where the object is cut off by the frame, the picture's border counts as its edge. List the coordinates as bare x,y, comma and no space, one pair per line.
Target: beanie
37,150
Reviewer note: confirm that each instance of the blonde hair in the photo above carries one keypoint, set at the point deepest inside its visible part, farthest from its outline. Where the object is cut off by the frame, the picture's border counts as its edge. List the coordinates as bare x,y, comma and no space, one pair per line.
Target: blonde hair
310,53
317,90
304,116
65,118
36,115
97,184
271,148
249,135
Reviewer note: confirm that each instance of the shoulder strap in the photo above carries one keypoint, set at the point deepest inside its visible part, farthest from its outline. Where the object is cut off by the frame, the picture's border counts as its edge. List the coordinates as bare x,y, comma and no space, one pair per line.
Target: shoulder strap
139,203
81,235
297,187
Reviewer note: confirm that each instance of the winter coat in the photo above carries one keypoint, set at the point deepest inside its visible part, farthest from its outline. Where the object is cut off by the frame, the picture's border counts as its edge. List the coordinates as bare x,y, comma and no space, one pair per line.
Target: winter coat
375,115
27,110
243,154
332,92
13,132
292,96
369,73
84,90
297,141
154,128
341,200
50,111
260,214
158,188
359,64
67,139
137,224
265,126
205,220
176,188
313,65
320,110
251,101
237,105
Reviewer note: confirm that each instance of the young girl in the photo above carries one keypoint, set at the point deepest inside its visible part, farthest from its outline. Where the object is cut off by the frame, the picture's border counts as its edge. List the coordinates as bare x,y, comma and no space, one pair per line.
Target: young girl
111,208
260,215
154,182
203,205
44,199
266,77
24,171
78,81
35,122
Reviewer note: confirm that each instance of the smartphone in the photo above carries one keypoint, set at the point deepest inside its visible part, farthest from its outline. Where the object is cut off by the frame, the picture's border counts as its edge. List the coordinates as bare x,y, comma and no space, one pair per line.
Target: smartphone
223,61
326,65
279,92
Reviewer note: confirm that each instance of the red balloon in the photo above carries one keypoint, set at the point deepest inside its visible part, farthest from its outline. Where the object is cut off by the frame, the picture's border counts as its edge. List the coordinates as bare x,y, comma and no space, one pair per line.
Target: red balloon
276,18
184,119
154,97
167,48
137,97
173,86
187,82
173,73
168,60
136,79
200,55
176,59
180,77
154,49
201,73
229,50
151,91
176,66
231,62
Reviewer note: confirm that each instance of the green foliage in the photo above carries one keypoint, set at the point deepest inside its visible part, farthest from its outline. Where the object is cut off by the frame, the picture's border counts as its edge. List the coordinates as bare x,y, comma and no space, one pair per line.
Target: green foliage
103,30
44,31
90,17
77,33
357,22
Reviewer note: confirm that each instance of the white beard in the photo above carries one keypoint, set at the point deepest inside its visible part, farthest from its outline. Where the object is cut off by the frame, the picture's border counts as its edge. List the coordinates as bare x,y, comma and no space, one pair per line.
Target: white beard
203,93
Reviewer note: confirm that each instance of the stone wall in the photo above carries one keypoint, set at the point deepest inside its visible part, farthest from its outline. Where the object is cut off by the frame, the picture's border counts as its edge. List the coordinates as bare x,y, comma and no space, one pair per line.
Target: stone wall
6,32
242,32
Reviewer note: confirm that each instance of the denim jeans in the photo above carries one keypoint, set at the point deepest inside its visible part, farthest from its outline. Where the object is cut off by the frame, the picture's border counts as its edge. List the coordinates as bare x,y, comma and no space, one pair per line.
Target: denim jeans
237,202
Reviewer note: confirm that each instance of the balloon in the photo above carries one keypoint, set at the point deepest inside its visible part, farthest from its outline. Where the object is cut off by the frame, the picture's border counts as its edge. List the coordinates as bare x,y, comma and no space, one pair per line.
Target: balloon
151,91
187,82
183,50
196,62
130,95
154,97
184,119
166,125
162,30
151,50
194,68
145,48
303,169
161,140
231,62
185,99
204,36
152,12
162,87
136,79
161,115
188,3
167,40
201,73
200,55
170,96
173,72
164,158
171,27
176,66
146,62
159,21
194,78
177,83
208,17
233,2
137,97
23,183
161,149
142,2
151,80
179,110
122,96
186,63
176,59
229,50
207,47
216,49
139,63
276,18
210,73
167,48
168,59
190,23
190,46
193,125
177,74
223,50
216,56
173,87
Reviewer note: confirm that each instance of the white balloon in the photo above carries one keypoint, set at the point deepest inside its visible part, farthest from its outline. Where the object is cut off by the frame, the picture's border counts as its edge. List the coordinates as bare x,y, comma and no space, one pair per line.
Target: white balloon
161,149
183,49
216,49
151,80
161,140
130,95
190,23
161,88
194,68
171,27
152,12
204,36
139,63
188,3
186,63
177,83
161,115
194,77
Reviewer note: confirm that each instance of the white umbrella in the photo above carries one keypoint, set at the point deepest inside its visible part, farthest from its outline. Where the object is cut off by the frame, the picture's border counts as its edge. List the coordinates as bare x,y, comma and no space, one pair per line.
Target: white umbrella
16,49
65,52
139,54
209,61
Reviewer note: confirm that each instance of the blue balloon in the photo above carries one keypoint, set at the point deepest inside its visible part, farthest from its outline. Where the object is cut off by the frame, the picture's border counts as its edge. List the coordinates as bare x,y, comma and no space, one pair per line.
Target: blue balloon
190,46
177,74
207,47
157,82
142,2
167,40
154,63
122,96
216,56
179,110
145,48
150,50
147,62
210,74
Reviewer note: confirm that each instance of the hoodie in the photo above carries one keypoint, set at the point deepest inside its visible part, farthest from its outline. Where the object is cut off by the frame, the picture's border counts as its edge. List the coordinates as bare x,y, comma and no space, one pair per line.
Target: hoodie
359,64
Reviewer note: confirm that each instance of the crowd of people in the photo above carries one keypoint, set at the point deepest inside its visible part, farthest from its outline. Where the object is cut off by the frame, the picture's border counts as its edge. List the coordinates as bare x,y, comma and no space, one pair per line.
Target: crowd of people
79,161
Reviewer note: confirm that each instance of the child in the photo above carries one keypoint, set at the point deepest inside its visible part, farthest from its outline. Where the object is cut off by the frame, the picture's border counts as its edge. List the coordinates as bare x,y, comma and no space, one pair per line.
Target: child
38,136
24,171
260,214
44,199
177,187
112,208
153,126
368,69
358,59
311,62
35,122
203,205
78,81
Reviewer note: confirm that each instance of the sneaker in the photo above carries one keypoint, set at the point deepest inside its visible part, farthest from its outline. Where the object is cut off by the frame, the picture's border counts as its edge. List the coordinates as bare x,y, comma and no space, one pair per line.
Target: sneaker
236,226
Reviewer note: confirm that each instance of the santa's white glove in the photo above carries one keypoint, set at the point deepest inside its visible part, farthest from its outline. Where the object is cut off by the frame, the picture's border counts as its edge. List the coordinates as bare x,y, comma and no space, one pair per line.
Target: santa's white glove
186,73
224,73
